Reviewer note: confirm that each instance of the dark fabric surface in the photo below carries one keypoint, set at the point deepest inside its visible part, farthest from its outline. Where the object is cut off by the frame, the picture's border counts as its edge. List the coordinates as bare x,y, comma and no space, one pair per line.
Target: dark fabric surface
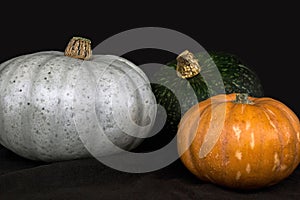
89,179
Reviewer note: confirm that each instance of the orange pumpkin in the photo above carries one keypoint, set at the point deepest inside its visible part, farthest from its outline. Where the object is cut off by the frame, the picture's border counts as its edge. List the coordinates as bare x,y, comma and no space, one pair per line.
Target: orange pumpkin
240,142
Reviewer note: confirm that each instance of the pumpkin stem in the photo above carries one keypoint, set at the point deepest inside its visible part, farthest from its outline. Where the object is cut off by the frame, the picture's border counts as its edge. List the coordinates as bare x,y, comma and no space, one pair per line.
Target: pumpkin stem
79,47
187,65
242,98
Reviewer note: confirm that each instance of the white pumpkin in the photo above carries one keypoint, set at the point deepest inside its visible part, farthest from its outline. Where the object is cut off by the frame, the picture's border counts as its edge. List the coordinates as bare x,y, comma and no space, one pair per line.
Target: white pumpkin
39,96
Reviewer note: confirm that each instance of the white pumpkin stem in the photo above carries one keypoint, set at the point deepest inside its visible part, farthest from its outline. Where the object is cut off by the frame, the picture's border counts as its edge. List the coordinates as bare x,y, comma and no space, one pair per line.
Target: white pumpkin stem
79,47
187,65
242,98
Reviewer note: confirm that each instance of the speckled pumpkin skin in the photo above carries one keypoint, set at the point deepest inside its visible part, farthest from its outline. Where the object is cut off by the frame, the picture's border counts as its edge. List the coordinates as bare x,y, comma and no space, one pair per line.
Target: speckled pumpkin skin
37,95
258,145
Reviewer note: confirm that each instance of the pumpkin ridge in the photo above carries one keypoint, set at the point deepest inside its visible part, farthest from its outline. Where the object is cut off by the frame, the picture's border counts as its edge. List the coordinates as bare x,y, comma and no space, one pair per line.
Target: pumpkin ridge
125,69
142,111
283,108
135,68
184,140
260,138
18,61
9,62
205,123
282,159
25,117
224,143
287,116
260,108
280,139
195,124
4,82
132,83
261,148
22,60
130,65
206,111
59,110
195,118
214,107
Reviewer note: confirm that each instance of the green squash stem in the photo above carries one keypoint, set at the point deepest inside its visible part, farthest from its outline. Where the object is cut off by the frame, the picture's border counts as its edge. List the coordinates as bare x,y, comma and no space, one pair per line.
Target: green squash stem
187,65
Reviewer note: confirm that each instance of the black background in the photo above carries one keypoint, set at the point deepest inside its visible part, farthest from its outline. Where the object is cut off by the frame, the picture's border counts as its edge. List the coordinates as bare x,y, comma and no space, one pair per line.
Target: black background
265,37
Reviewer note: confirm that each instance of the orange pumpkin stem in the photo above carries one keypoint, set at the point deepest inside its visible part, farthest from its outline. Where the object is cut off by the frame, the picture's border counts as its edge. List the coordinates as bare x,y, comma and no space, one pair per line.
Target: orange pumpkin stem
242,98
79,47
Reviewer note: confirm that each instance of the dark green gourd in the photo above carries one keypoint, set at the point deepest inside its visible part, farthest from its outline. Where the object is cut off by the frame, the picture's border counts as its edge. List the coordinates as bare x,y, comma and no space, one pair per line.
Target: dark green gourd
179,86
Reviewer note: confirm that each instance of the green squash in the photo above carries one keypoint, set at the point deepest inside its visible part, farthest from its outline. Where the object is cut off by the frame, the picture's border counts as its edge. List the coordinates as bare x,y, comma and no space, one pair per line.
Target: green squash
220,72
